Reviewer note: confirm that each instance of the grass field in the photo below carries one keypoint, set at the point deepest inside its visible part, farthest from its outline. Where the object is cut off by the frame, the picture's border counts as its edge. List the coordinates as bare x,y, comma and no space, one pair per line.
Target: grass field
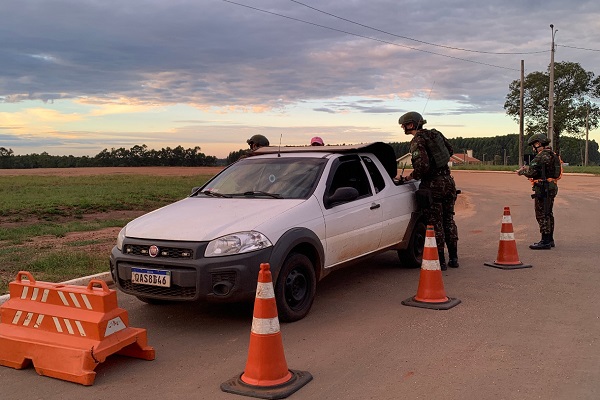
40,216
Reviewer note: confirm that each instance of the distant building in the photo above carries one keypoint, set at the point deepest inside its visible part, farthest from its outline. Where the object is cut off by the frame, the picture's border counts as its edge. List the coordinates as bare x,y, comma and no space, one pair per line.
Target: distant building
455,159
463,158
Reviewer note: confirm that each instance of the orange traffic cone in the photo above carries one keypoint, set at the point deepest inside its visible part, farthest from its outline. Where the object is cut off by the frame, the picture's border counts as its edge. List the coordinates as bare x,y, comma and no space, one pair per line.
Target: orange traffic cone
507,248
431,293
266,375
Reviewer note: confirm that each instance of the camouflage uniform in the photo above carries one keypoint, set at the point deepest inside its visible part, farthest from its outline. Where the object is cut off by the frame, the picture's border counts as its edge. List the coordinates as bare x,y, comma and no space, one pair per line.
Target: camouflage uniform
439,182
545,159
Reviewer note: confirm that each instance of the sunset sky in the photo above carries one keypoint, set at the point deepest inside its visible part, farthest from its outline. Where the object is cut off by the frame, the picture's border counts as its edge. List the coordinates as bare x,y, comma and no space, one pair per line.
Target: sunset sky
80,76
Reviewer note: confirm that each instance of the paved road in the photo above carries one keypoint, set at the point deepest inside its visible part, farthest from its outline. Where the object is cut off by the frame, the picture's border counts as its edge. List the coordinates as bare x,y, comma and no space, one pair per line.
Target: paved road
518,334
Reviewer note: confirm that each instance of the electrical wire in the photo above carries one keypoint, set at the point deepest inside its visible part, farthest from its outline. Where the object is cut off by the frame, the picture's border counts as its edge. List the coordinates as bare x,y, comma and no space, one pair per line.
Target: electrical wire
416,40
573,47
368,37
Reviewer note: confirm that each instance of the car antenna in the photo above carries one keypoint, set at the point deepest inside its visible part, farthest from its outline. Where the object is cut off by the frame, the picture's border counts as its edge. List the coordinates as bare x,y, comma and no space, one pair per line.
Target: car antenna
279,150
428,95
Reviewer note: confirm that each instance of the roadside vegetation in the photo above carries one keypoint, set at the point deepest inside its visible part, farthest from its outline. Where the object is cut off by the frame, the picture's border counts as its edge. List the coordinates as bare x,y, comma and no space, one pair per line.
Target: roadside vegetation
36,209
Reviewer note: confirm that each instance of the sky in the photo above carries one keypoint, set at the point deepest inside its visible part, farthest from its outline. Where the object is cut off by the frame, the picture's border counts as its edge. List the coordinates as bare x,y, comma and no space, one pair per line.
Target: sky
80,76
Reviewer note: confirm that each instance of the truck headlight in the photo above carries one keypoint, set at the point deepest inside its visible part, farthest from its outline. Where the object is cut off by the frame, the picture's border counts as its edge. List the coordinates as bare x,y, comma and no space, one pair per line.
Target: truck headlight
237,243
120,238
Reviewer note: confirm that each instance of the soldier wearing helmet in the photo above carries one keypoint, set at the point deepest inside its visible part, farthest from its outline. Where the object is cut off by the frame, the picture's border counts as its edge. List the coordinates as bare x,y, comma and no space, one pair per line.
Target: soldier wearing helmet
430,152
544,172
257,141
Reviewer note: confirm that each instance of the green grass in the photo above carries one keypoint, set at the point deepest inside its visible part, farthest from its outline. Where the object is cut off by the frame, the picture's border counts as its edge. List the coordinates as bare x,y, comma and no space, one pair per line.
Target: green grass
63,265
34,206
49,196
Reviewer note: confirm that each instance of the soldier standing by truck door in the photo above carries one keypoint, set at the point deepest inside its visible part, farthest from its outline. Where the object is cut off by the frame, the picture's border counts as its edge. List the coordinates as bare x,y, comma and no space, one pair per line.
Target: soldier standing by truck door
431,152
544,171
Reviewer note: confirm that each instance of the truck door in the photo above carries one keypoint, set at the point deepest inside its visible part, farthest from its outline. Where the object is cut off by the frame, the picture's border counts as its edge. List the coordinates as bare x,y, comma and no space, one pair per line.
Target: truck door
352,227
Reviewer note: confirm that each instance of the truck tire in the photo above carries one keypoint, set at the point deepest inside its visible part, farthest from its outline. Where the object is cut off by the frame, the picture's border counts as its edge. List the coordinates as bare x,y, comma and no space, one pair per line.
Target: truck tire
412,256
295,288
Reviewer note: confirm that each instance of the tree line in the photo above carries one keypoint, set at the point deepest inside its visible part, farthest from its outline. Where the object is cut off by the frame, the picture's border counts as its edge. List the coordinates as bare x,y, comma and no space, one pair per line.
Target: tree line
137,156
492,150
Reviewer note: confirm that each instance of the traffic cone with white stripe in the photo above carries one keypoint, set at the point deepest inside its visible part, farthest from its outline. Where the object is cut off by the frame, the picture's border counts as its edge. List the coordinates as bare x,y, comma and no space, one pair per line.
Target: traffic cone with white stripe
266,375
508,258
431,293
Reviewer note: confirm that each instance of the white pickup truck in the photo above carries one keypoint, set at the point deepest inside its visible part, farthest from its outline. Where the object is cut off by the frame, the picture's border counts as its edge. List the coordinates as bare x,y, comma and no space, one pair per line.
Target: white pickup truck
304,210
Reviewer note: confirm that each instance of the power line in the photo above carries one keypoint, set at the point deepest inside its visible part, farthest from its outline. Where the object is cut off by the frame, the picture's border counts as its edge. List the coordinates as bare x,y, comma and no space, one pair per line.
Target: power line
416,40
369,38
578,48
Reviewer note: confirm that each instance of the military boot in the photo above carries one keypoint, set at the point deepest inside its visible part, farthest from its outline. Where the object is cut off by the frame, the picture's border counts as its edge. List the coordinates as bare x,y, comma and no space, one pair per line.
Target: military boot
543,244
552,239
442,258
453,255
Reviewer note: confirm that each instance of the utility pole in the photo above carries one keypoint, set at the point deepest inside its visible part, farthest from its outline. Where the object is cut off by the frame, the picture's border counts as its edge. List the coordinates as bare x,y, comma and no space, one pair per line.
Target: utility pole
551,91
521,122
587,117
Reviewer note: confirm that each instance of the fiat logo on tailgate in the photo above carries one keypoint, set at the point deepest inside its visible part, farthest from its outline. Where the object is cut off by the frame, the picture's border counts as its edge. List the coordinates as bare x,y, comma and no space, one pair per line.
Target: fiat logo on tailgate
153,251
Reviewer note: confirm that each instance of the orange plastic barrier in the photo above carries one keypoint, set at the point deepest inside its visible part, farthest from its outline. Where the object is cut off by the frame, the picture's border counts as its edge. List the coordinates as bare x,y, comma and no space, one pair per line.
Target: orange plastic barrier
508,258
65,330
431,293
266,375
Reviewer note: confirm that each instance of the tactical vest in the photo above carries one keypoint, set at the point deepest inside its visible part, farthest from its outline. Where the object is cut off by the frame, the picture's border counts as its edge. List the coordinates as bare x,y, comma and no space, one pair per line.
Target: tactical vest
436,148
556,172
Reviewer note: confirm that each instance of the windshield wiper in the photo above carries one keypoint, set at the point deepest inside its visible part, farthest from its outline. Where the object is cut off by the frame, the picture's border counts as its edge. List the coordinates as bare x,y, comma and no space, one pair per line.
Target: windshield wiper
214,194
261,193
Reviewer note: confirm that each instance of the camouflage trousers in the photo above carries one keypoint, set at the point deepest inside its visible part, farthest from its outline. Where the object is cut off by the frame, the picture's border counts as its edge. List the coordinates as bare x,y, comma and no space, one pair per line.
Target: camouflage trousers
545,218
441,212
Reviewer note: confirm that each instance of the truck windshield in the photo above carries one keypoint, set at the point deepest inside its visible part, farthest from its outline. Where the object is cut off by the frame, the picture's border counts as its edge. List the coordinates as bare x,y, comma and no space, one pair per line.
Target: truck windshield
285,178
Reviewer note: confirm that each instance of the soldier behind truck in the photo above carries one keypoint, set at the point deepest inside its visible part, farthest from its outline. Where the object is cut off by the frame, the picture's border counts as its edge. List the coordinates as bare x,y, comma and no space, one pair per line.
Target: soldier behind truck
430,152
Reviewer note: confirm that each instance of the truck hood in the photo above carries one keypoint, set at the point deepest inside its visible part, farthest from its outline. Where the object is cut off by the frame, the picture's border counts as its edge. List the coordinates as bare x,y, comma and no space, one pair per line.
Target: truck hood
202,219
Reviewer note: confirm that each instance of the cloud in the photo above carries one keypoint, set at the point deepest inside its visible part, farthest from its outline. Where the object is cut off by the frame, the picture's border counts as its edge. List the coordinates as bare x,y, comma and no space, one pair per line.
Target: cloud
222,55
136,58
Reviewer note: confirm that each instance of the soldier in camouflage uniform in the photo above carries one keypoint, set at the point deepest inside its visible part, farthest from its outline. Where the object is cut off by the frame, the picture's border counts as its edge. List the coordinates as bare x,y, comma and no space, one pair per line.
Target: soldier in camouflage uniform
543,171
431,152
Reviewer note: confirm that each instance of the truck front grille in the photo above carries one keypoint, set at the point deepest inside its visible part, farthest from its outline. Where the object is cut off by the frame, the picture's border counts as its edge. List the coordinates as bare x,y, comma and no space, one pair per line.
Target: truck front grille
176,292
165,252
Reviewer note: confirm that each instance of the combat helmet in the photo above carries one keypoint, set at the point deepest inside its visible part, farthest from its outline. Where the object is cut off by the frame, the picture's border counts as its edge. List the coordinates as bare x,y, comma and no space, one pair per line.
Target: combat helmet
538,137
414,117
259,140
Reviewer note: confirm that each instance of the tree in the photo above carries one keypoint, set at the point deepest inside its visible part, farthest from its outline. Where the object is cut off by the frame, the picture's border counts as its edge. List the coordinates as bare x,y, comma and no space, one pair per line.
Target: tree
573,90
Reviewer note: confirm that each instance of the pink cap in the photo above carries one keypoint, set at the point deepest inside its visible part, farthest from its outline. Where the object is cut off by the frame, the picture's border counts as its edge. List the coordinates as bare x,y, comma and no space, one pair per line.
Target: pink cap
316,141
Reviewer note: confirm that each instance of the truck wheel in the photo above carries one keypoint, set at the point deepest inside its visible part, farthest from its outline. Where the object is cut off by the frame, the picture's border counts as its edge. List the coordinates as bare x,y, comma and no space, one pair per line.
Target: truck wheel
295,288
412,256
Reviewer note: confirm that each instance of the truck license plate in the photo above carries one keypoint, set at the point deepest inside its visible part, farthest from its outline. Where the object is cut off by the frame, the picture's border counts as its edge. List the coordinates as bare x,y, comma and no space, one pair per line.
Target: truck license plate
152,277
